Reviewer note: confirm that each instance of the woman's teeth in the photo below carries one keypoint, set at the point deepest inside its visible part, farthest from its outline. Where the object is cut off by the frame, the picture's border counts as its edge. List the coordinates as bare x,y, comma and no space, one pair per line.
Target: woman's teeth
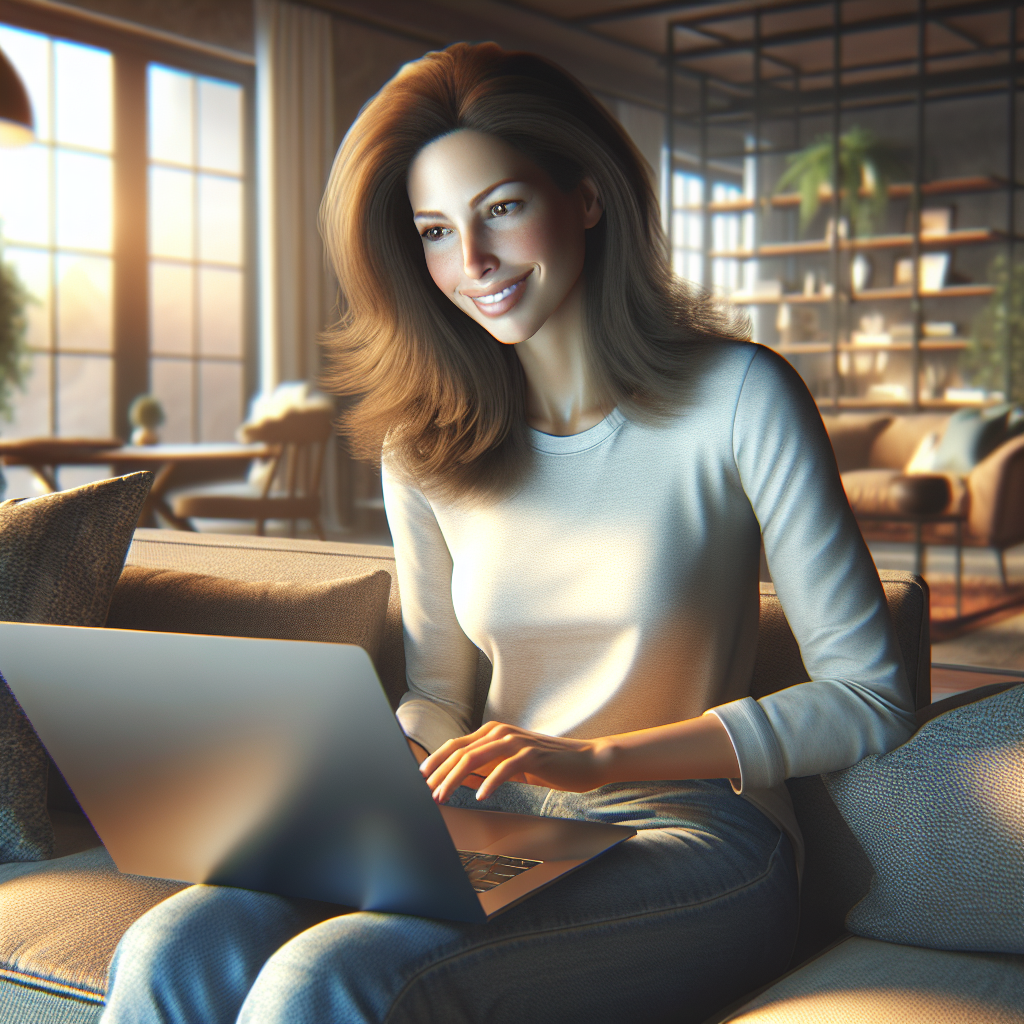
488,300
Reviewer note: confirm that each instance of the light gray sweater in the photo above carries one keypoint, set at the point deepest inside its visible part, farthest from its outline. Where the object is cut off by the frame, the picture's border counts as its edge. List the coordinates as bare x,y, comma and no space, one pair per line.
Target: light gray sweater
618,588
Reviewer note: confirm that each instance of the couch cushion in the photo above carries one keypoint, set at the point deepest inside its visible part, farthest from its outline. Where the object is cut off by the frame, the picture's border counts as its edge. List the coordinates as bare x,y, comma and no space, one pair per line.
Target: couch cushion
894,446
342,611
852,435
862,981
889,492
64,917
60,557
941,820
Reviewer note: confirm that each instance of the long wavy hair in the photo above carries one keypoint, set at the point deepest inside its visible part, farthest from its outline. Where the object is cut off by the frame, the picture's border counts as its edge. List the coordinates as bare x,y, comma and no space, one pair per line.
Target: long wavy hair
445,398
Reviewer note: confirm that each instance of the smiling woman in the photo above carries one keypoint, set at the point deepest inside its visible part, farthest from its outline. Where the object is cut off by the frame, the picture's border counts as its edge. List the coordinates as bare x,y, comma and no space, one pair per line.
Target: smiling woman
580,461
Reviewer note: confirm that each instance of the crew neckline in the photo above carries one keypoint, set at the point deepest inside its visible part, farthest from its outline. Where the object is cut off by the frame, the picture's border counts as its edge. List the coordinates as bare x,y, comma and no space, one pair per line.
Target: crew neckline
571,444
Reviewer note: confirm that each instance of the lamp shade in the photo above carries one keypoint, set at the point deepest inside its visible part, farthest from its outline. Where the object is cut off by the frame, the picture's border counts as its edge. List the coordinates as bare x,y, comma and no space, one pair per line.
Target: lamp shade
16,124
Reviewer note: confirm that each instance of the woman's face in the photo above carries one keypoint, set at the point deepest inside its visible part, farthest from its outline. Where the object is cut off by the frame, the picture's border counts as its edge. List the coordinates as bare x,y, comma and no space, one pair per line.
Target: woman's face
501,240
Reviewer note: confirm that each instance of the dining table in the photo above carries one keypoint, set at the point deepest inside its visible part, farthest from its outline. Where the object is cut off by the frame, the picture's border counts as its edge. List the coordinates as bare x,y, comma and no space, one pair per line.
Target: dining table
44,455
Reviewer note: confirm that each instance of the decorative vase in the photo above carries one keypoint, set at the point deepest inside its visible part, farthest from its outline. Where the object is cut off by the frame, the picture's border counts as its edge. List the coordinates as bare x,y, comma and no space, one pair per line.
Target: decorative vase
145,435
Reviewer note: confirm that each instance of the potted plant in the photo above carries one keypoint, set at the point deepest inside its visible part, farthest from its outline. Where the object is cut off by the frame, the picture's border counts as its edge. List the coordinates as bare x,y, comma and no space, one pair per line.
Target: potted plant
984,361
14,361
145,414
866,166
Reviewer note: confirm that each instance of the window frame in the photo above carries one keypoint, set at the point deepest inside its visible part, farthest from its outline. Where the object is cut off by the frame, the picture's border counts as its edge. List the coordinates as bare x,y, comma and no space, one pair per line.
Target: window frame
132,52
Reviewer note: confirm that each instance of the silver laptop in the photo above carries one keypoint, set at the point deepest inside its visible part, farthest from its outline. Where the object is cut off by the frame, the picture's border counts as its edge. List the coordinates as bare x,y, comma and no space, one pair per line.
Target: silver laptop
274,765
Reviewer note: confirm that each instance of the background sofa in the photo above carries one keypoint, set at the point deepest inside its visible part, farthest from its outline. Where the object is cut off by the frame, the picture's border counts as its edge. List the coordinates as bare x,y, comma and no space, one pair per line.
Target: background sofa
980,463
61,919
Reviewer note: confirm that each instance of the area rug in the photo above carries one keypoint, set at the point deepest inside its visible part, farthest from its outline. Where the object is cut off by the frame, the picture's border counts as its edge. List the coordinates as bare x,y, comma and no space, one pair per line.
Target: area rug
983,601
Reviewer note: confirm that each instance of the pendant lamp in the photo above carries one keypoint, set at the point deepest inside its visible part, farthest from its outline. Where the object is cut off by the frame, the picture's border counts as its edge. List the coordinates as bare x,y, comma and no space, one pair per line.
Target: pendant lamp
16,124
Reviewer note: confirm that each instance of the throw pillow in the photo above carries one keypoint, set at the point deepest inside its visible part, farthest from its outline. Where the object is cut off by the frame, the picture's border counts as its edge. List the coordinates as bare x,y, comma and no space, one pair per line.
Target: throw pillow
941,819
60,557
344,611
970,435
923,459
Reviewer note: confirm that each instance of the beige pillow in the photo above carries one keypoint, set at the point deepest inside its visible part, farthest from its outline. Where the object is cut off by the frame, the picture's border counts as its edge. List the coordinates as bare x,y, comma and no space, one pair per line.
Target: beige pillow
923,459
348,610
60,557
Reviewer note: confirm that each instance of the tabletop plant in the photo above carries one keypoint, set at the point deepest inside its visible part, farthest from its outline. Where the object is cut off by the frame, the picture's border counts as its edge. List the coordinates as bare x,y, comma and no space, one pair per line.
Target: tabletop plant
145,414
866,167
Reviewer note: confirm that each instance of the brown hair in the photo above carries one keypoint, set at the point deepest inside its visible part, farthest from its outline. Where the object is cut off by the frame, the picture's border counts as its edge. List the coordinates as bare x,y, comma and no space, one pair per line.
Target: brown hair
447,397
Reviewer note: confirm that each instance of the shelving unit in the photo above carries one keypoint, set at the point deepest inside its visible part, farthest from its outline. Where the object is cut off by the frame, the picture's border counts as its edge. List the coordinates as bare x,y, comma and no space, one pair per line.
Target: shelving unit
768,75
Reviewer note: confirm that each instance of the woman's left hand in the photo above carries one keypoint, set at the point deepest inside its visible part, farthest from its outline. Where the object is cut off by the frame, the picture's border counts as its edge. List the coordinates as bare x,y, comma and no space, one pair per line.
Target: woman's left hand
505,753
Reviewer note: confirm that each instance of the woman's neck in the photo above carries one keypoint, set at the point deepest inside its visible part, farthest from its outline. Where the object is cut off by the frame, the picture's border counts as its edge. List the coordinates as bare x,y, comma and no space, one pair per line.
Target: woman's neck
561,397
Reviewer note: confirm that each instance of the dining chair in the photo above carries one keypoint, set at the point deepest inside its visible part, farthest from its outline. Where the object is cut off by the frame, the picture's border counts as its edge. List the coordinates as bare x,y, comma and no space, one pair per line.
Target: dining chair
287,485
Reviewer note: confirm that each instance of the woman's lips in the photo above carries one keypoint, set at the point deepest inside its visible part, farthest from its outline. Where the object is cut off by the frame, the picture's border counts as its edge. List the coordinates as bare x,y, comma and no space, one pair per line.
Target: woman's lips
500,302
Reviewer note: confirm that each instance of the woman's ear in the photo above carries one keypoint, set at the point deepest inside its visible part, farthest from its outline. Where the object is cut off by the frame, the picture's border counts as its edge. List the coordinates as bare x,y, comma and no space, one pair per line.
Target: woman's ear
592,205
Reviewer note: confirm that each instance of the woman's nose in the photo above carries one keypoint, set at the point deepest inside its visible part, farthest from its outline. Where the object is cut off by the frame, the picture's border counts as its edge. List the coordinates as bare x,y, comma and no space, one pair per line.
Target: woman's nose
477,260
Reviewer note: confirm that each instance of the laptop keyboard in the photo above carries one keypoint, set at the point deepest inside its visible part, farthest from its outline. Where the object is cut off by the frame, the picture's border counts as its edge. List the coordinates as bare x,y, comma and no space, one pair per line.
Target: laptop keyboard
487,871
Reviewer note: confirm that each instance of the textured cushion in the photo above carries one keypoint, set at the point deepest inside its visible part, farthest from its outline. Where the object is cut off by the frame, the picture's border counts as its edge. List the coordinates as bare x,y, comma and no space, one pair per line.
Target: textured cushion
942,818
861,981
852,435
350,610
60,557
895,445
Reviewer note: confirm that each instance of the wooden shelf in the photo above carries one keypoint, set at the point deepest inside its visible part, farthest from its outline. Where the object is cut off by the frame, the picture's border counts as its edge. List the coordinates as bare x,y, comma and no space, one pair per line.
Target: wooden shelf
811,348
863,402
821,246
953,291
898,190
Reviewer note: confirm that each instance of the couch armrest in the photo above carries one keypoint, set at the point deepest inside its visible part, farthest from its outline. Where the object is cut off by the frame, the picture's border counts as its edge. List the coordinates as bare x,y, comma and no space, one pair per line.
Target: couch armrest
996,488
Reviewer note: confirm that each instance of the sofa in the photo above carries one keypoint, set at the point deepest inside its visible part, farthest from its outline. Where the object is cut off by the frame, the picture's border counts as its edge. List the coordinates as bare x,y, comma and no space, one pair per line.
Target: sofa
61,918
928,469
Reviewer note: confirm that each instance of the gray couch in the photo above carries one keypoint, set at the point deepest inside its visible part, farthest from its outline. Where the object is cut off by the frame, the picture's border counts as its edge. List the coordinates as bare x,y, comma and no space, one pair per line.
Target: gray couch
60,920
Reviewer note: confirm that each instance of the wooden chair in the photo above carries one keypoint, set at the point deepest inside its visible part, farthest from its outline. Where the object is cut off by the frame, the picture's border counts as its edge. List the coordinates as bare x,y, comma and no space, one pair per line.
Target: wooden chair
288,485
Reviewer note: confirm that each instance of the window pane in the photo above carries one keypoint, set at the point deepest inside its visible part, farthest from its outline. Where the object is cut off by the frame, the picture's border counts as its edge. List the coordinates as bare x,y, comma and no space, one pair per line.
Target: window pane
220,400
171,134
25,194
170,310
29,52
220,220
220,126
32,406
171,382
171,212
83,396
84,218
220,312
84,303
84,86
33,268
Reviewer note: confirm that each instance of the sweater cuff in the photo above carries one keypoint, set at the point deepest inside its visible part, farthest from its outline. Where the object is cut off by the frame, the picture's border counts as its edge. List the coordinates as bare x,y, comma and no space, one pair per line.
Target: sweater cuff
753,740
426,722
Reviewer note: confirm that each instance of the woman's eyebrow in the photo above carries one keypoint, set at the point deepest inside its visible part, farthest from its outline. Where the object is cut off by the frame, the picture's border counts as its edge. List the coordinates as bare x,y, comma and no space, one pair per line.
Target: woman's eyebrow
479,197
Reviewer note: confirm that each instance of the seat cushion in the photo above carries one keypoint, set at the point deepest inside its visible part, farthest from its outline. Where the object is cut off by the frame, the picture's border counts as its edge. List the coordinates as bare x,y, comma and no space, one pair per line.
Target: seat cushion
63,918
865,981
941,820
889,492
350,610
60,557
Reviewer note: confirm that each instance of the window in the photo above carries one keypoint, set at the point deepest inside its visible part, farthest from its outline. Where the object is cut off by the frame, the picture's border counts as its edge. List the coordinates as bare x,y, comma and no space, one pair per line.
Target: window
130,222
196,248
728,232
56,205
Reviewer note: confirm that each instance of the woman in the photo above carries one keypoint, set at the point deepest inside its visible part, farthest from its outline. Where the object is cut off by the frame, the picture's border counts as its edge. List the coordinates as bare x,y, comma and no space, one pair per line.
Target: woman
580,459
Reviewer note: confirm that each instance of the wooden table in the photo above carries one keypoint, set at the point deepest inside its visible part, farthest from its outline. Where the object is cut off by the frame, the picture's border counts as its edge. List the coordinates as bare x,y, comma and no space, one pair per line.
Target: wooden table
43,455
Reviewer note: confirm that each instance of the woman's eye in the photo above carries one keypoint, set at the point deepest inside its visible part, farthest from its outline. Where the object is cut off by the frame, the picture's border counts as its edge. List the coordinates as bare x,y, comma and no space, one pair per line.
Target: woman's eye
435,234
504,209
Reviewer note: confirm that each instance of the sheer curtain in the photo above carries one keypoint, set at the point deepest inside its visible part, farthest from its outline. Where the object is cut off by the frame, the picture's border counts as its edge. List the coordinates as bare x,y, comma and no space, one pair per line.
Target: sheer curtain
295,144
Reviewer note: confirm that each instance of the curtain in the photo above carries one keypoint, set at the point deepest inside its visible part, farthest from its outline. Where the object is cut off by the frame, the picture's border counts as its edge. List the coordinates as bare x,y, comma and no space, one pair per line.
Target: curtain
295,145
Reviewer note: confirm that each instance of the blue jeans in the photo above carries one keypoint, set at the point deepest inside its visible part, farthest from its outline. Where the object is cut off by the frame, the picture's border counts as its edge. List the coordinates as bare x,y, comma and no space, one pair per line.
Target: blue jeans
698,908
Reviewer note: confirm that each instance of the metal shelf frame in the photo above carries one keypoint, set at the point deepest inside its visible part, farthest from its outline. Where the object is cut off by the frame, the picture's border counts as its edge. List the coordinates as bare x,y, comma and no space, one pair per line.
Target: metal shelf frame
779,89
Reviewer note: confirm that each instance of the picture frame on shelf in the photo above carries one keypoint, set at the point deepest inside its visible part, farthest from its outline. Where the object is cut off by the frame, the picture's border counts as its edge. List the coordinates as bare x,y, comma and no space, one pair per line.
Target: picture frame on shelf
934,267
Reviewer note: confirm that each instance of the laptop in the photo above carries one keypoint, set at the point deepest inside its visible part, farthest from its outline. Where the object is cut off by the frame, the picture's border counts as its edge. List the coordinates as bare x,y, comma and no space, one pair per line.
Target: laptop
274,765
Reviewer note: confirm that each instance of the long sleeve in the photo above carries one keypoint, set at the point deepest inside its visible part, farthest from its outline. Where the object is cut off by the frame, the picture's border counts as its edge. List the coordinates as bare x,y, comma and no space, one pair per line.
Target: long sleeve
858,701
440,659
